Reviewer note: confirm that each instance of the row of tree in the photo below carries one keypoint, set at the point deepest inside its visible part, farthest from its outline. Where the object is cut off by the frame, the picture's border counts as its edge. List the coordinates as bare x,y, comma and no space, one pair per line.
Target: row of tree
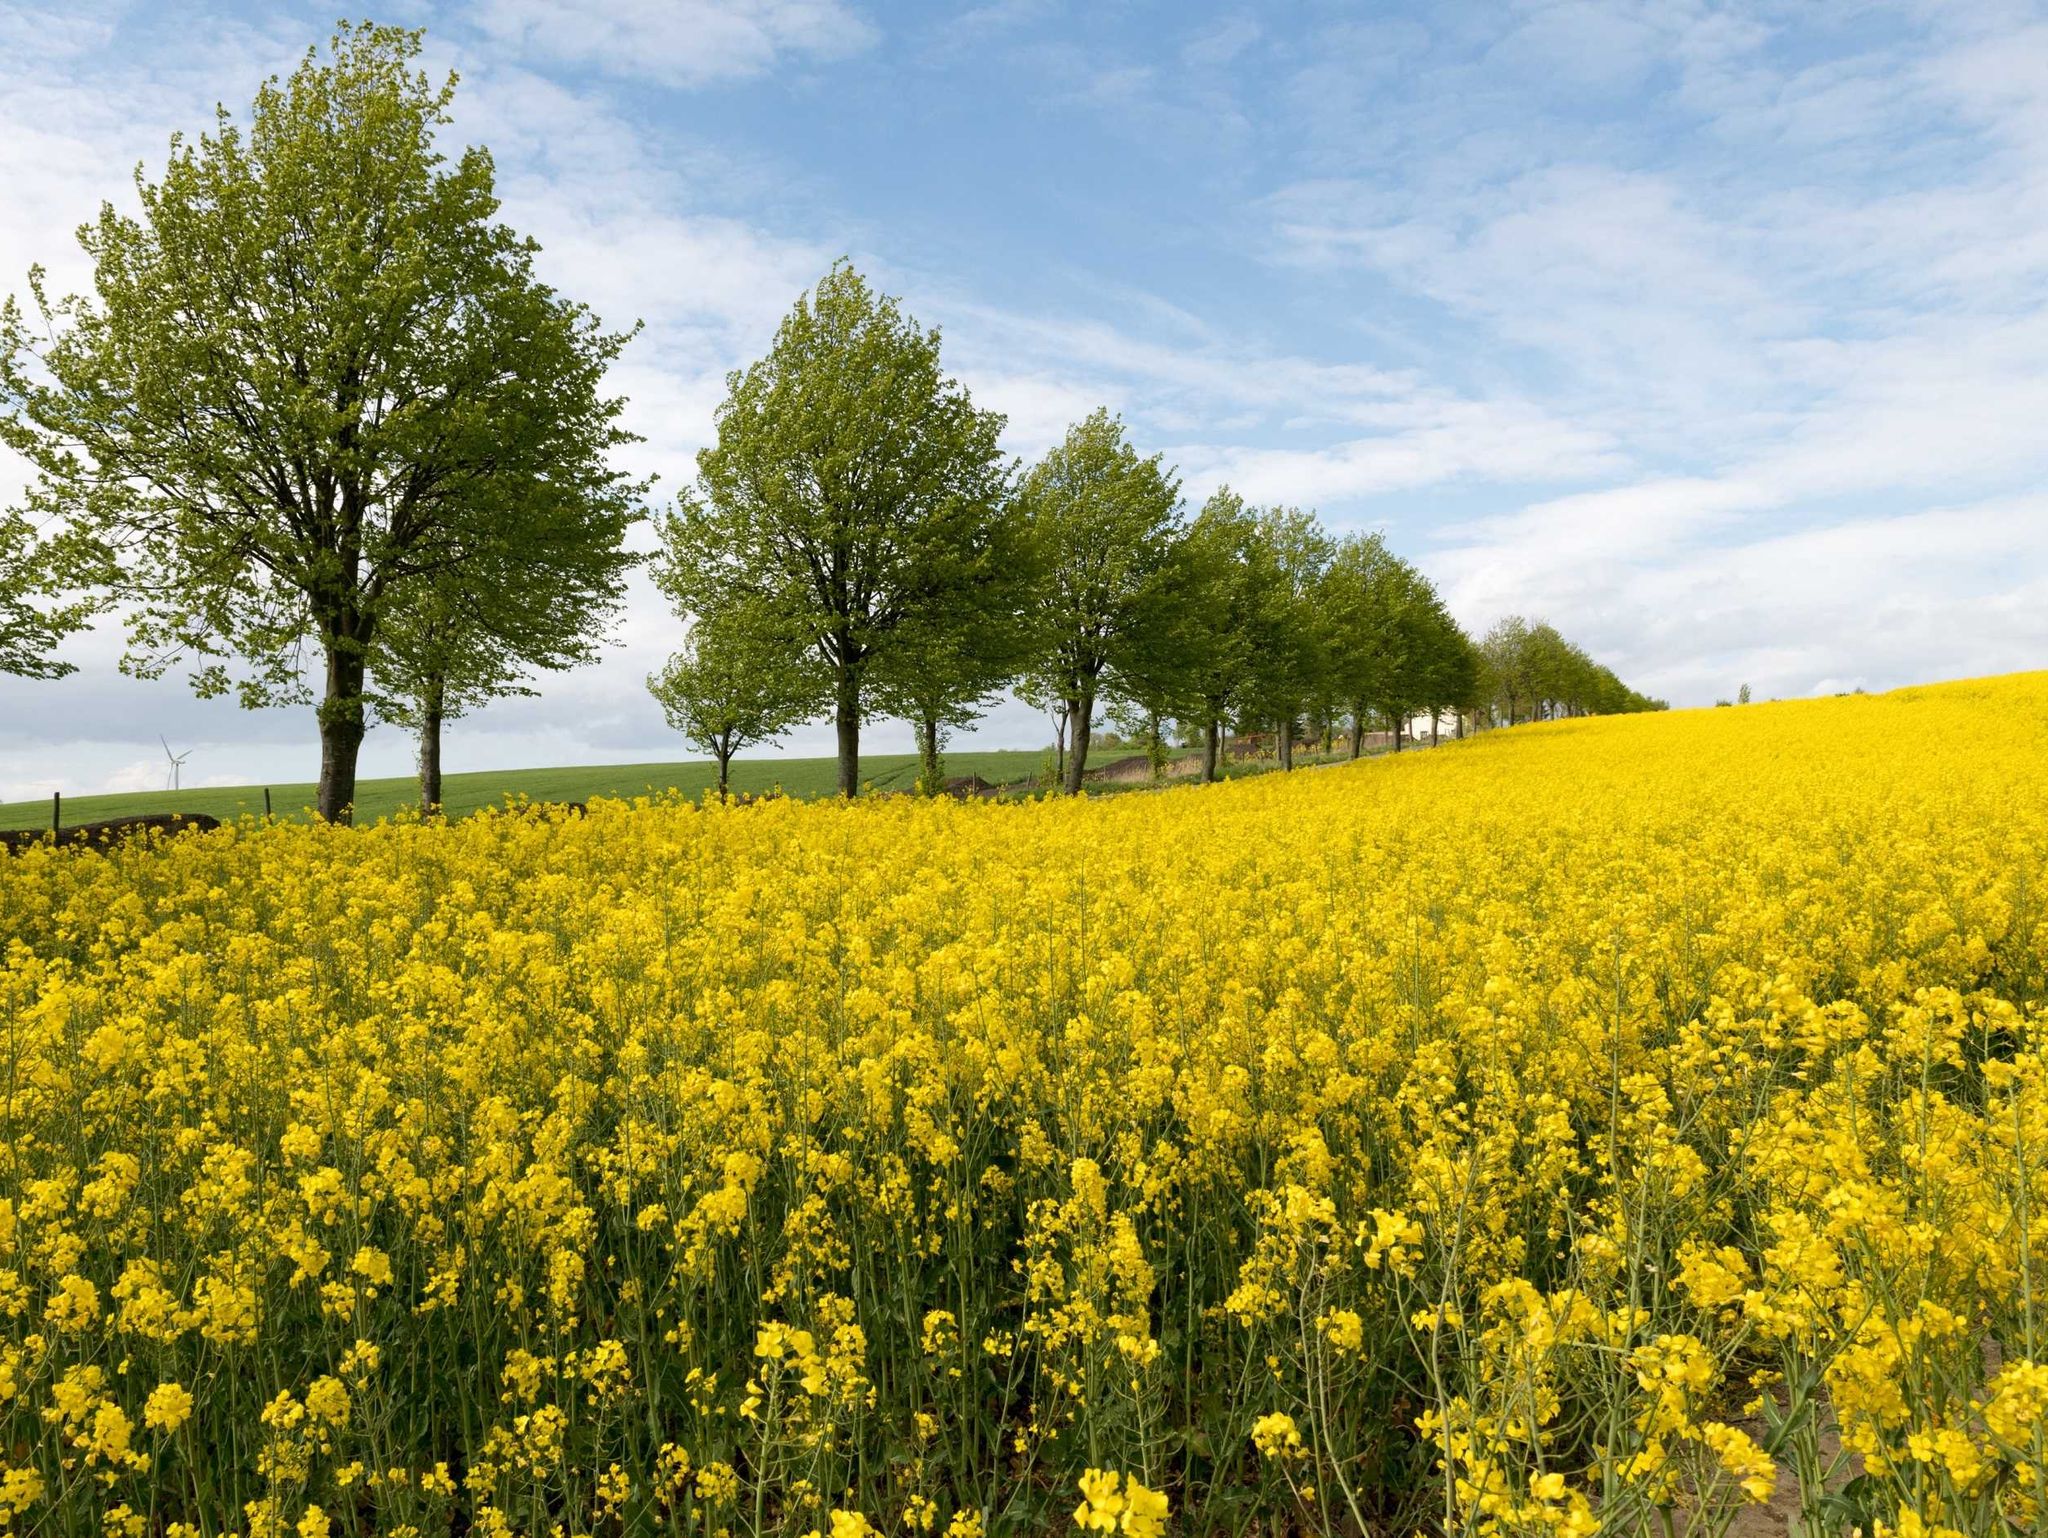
322,433
856,543
1529,672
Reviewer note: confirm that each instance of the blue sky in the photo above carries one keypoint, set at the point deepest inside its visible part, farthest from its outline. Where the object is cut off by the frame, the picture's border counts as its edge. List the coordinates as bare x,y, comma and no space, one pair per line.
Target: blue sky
1714,333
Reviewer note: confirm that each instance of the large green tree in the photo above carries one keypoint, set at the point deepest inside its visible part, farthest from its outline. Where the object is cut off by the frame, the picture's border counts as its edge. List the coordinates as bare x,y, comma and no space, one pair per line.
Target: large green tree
737,681
1433,649
1162,667
312,365
1291,668
1395,649
1529,671
852,491
1231,613
1506,676
1363,590
1449,671
1103,521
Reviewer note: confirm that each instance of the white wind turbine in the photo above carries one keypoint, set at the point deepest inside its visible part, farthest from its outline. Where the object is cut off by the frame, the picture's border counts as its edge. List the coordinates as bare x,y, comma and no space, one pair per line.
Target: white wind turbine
171,780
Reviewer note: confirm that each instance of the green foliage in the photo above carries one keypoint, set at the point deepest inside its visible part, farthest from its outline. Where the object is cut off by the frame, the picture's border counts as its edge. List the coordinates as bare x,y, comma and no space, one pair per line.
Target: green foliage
1441,668
318,405
1450,669
1291,664
308,373
1103,521
736,682
39,604
1529,672
1505,670
957,651
1231,611
852,493
471,631
1398,651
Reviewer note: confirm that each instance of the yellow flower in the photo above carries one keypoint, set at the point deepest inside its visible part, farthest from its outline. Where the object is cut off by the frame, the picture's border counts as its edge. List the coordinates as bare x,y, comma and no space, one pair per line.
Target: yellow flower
1100,1503
1344,1330
717,1484
74,1306
1277,1437
111,1433
20,1488
1741,1457
1145,1511
168,1407
327,1400
1609,1073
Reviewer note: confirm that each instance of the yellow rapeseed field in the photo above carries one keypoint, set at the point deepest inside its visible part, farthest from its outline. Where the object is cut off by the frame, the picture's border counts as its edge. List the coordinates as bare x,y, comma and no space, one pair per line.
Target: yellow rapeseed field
1604,1126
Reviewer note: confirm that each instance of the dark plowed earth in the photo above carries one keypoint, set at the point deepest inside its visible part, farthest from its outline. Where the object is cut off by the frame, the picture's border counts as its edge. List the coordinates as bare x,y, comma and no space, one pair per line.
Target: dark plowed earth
112,830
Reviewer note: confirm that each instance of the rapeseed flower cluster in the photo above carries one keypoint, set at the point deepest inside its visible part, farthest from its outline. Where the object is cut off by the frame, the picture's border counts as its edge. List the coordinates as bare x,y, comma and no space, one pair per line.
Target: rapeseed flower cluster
1592,1127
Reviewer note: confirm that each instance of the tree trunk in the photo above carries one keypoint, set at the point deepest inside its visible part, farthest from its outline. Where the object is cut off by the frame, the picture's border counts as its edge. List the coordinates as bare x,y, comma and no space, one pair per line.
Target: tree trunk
846,714
341,733
1284,744
1080,727
1212,744
928,779
1458,731
1395,717
722,748
433,699
1357,732
1434,721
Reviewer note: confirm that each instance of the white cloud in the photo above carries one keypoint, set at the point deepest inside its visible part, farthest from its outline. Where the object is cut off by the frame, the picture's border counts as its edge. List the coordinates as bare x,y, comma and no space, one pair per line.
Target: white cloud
1806,316
138,774
1648,302
676,42
1691,588
1429,442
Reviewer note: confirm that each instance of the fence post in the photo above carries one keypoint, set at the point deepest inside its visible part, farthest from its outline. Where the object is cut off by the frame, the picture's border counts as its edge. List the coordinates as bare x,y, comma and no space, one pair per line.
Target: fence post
266,803
56,811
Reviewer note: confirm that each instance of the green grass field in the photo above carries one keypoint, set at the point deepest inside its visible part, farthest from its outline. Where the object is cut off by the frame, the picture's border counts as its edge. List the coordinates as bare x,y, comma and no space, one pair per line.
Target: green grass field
464,793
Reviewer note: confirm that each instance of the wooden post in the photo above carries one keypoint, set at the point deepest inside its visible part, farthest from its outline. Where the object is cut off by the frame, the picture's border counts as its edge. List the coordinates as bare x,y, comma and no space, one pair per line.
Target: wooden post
266,803
56,811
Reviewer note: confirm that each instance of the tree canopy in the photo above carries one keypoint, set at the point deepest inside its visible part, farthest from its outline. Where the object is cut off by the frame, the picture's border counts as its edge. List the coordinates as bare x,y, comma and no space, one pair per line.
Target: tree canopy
957,655
852,494
1103,520
320,432
1232,612
737,681
1529,672
472,630
1292,662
